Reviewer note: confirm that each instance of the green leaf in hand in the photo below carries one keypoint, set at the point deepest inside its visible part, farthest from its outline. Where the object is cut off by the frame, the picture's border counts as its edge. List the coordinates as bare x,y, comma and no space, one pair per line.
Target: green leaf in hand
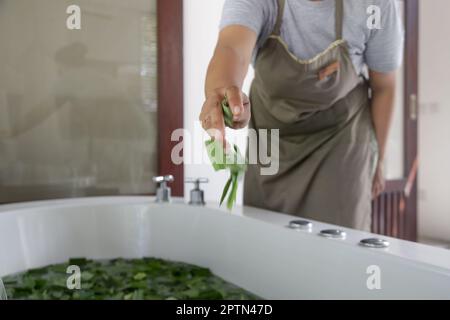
232,197
225,190
221,160
234,162
227,114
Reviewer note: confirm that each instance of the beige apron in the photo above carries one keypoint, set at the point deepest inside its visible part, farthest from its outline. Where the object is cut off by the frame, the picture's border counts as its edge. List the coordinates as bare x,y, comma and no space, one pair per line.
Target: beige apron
327,145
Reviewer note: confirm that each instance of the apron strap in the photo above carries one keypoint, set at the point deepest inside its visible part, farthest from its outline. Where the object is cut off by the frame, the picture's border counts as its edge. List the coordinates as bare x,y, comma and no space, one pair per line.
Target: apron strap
339,18
277,28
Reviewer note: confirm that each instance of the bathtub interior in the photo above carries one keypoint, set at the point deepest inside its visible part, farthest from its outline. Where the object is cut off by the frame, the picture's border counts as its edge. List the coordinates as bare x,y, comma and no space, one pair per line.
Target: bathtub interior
250,248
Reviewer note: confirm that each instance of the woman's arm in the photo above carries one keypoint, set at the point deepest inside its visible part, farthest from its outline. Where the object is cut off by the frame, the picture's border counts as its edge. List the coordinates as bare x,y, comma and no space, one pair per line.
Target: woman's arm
383,94
225,76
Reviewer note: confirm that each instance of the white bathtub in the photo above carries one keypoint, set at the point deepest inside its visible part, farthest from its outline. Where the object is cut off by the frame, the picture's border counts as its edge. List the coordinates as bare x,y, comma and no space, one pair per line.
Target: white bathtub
251,248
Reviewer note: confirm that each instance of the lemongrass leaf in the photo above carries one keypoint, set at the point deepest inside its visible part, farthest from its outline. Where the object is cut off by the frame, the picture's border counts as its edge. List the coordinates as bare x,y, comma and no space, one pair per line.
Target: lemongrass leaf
225,190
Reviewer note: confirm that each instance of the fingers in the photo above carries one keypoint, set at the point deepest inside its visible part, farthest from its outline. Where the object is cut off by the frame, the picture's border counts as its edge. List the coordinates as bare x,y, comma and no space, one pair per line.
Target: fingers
234,97
243,119
377,189
211,118
375,193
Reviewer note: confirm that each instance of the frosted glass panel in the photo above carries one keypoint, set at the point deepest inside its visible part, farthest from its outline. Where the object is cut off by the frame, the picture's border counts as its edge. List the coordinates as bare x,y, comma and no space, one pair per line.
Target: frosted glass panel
395,144
77,107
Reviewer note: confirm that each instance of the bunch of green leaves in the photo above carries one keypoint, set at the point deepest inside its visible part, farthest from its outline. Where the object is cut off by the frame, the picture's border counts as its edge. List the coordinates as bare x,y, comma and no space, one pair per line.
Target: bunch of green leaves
231,160
119,279
227,113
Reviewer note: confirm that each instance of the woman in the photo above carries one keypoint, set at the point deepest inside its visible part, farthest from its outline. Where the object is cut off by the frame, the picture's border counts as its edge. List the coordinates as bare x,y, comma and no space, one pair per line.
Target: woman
311,82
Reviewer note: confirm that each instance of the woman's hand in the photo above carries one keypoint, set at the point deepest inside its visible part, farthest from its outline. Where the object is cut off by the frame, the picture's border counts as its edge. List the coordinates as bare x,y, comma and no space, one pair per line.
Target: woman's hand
211,116
379,183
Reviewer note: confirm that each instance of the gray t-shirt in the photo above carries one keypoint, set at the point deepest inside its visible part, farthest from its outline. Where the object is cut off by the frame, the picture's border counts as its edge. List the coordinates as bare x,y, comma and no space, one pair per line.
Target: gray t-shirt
309,28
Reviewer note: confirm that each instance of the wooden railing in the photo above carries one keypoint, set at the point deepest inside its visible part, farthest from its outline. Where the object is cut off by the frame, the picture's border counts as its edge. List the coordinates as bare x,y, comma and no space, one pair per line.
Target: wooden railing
390,216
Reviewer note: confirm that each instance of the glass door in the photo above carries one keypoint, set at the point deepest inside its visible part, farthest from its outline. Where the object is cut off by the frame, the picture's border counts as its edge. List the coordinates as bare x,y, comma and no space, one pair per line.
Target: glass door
78,104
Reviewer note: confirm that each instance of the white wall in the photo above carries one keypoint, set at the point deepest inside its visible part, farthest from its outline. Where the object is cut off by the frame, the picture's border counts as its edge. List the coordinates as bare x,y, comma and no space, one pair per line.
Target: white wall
434,144
201,27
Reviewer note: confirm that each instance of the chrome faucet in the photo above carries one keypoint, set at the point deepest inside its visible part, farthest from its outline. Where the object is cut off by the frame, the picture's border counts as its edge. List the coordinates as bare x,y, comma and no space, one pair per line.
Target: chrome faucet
197,195
163,192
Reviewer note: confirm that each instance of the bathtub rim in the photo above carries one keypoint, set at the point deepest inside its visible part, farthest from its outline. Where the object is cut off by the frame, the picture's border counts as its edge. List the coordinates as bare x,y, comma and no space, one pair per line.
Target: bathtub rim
427,256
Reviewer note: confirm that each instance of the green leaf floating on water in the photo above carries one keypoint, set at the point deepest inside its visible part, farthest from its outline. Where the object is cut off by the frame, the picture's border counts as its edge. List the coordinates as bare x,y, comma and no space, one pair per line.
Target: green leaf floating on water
119,279
233,160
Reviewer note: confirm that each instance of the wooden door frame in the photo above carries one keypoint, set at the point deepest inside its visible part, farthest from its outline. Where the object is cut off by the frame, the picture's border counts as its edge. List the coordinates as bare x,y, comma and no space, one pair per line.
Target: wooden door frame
411,107
395,211
170,87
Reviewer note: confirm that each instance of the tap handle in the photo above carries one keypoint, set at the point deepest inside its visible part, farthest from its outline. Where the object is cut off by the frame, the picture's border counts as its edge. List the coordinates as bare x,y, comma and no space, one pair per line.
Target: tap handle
197,181
197,195
160,179
163,180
